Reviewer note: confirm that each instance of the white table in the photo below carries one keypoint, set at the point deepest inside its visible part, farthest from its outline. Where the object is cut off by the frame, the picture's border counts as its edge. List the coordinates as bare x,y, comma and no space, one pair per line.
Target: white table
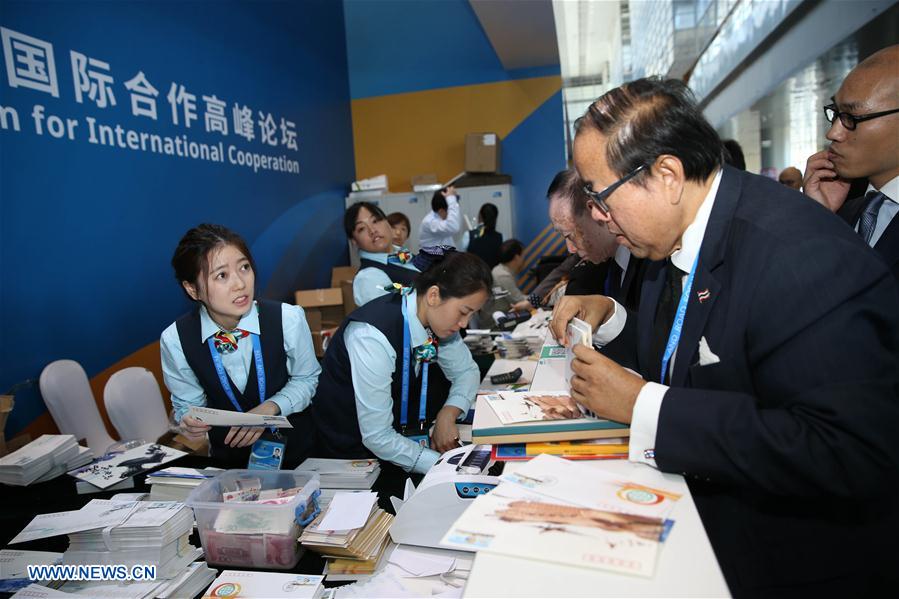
686,566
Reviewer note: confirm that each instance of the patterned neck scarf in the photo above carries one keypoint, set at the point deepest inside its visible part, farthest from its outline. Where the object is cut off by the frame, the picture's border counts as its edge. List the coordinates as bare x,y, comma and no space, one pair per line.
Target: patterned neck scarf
226,341
401,256
427,351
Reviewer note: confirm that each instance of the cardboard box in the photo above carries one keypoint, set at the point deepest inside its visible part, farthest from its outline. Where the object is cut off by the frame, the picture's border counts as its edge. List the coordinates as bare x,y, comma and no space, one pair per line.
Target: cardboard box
327,302
349,302
482,153
320,340
339,274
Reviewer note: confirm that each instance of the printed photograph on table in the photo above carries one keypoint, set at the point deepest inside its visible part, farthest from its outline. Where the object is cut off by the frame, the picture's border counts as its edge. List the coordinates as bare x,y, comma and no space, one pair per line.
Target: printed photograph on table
111,468
524,406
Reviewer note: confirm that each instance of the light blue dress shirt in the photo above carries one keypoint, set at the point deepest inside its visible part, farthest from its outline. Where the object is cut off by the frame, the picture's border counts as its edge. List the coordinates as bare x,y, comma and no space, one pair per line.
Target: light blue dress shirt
369,282
302,366
373,361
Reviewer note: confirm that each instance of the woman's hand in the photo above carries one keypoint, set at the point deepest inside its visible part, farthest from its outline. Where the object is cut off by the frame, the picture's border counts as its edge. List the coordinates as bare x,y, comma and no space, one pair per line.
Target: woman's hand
446,432
242,436
193,428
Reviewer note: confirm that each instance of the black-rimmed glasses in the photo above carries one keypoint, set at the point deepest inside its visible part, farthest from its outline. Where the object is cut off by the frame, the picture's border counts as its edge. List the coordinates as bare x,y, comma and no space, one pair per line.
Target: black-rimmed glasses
600,196
850,120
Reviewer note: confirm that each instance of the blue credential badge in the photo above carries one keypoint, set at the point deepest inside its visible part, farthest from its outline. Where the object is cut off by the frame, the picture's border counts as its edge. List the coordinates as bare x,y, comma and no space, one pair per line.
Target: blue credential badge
266,455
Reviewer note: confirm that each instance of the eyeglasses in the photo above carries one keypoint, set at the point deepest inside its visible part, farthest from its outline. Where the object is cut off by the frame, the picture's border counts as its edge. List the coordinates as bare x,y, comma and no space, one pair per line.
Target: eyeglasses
600,196
850,120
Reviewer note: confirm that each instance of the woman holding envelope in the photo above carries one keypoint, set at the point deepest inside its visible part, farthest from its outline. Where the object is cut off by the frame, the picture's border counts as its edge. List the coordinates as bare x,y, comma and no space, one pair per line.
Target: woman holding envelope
233,352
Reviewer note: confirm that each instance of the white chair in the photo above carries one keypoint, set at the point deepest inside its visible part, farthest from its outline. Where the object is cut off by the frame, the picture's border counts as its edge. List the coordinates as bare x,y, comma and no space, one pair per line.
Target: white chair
67,393
134,404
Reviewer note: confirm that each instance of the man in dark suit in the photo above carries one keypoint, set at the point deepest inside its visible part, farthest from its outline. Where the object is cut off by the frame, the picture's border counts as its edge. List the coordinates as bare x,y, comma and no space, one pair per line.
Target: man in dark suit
768,343
864,136
605,266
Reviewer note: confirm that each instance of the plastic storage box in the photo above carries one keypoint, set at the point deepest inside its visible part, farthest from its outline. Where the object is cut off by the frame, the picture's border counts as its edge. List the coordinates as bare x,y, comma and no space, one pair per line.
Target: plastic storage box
255,534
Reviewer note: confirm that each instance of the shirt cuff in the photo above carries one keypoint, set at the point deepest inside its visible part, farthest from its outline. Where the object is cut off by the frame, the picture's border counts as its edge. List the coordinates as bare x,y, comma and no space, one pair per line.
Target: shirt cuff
426,459
284,404
607,331
458,402
645,423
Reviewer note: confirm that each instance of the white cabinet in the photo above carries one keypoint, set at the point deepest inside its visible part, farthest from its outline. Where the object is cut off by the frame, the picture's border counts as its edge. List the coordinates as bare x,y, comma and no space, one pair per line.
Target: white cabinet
416,205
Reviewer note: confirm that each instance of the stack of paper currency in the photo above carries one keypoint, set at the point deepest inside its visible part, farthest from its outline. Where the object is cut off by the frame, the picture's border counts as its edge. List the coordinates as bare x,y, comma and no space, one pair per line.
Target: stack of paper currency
175,484
47,457
343,474
352,527
255,527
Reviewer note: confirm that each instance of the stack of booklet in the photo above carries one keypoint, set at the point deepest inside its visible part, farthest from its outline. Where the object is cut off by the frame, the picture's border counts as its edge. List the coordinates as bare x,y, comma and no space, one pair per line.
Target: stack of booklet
236,584
343,474
175,484
554,510
14,567
43,459
352,527
127,533
154,533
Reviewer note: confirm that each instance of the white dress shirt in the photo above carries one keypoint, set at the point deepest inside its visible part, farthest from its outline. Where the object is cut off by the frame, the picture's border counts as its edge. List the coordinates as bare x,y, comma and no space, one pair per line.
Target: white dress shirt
438,231
645,416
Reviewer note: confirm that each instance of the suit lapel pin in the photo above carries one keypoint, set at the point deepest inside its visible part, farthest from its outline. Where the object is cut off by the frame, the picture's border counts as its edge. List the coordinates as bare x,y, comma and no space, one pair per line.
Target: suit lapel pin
703,295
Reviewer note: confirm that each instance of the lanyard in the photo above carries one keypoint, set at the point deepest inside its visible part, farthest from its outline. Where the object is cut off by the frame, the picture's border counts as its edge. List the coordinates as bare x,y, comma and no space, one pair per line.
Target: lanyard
423,399
678,325
223,377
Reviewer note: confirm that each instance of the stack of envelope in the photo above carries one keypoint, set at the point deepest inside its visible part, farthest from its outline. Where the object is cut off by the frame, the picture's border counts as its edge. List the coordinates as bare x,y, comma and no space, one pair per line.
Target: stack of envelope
352,527
343,474
44,458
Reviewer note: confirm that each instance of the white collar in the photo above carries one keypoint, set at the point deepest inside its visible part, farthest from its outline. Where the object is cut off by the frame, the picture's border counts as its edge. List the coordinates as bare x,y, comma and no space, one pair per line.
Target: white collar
417,333
622,257
374,256
248,322
691,241
890,189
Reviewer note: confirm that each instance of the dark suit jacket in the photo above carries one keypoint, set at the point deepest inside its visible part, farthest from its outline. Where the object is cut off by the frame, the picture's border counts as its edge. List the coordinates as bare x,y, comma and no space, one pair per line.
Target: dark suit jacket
789,443
888,244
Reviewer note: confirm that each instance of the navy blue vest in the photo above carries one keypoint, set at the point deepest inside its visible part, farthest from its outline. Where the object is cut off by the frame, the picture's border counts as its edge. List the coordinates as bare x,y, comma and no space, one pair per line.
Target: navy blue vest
486,247
398,274
334,406
299,439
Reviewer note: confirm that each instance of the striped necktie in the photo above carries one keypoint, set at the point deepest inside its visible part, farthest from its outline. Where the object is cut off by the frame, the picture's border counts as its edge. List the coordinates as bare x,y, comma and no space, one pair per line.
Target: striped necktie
866,225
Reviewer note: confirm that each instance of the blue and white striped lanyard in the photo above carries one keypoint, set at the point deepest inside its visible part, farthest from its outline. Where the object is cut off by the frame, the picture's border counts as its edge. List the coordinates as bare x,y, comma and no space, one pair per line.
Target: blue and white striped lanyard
223,376
404,400
677,326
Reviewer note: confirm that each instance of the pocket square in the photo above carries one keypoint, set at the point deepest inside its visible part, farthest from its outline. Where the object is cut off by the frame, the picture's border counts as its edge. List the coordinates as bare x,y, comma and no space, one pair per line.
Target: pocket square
706,355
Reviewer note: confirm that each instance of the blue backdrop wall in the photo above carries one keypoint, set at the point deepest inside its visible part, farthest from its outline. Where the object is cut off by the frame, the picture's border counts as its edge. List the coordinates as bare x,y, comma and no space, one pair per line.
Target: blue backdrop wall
123,124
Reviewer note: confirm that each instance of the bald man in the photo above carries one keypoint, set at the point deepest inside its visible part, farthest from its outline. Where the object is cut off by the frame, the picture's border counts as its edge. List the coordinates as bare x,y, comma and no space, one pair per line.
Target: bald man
864,142
791,177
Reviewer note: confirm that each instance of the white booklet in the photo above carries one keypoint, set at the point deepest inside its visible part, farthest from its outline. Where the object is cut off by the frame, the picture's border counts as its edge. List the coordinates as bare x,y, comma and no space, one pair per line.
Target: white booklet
559,479
110,469
238,583
214,417
98,513
514,521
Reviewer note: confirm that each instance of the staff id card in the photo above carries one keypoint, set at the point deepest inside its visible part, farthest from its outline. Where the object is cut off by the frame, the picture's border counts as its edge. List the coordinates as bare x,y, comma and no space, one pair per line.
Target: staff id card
266,455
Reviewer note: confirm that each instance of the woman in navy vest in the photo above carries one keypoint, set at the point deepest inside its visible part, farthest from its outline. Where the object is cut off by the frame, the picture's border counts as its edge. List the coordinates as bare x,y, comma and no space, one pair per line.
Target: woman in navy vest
211,356
374,397
485,240
381,263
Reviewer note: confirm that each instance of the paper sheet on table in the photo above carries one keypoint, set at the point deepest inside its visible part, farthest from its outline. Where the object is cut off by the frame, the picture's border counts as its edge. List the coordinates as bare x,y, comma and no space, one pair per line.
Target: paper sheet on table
214,417
418,563
348,511
587,486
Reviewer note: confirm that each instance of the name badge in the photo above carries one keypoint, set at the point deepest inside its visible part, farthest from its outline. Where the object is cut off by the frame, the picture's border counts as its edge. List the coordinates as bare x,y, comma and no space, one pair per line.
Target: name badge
266,455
